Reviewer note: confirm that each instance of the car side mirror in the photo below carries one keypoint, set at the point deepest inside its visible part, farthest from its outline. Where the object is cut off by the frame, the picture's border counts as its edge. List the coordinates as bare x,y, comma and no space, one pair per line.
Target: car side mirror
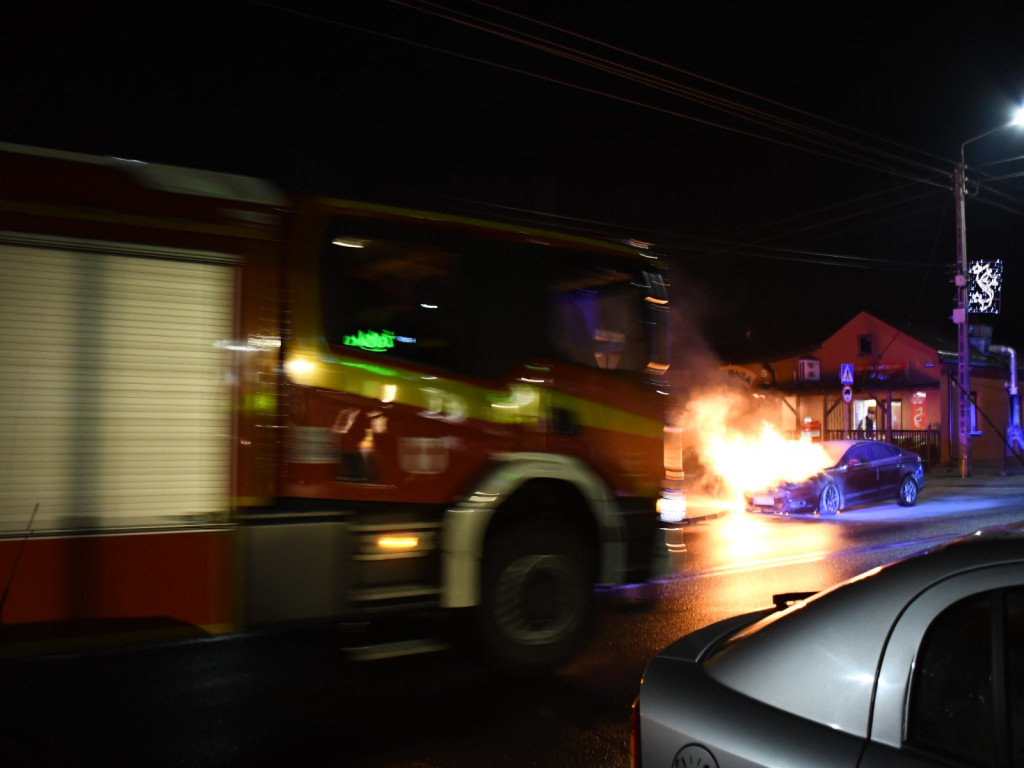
854,463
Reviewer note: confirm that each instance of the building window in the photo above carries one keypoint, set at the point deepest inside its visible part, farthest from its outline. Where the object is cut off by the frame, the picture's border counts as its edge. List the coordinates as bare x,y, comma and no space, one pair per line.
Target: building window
864,345
865,413
974,422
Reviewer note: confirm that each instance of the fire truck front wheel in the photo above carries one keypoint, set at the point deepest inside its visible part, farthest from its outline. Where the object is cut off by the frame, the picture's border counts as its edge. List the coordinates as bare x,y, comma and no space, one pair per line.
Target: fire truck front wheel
538,597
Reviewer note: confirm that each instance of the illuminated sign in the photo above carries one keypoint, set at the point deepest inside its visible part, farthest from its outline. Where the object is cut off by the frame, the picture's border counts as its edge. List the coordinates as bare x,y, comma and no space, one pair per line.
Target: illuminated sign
886,370
745,375
986,287
375,341
918,410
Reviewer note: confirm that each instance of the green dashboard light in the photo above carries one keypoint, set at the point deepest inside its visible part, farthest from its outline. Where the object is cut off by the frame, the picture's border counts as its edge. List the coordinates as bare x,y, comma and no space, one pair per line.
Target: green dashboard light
371,341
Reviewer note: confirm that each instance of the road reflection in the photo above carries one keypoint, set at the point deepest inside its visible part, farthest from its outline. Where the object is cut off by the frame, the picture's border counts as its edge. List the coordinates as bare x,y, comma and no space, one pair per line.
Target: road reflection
745,539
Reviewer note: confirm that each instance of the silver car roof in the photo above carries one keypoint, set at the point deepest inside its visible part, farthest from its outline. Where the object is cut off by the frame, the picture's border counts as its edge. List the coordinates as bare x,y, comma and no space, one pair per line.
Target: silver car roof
819,658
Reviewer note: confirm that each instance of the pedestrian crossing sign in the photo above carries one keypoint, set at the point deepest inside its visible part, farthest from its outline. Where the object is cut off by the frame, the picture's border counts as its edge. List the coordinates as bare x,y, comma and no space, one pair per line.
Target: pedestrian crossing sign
846,373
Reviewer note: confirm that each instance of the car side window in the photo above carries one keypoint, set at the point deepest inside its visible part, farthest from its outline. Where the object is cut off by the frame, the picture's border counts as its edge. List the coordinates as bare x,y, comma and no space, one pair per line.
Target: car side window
859,452
958,695
1015,673
880,451
951,710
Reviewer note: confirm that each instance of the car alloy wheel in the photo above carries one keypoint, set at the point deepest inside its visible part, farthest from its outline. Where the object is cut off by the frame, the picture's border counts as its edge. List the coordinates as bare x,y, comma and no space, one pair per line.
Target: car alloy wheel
830,500
908,492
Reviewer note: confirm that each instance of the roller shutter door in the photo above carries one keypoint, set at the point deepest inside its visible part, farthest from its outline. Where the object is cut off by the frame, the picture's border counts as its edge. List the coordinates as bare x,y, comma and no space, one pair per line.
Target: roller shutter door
114,388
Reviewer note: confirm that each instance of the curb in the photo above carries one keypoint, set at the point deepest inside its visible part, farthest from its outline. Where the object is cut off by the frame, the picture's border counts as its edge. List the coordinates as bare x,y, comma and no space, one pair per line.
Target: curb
703,518
1010,480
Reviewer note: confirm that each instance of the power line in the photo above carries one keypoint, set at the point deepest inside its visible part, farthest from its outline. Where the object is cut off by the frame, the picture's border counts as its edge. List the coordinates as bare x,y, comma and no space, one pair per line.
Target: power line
870,159
804,138
842,149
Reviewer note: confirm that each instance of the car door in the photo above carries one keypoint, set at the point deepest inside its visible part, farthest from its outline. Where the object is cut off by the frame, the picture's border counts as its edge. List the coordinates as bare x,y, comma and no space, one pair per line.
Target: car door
950,689
886,460
860,479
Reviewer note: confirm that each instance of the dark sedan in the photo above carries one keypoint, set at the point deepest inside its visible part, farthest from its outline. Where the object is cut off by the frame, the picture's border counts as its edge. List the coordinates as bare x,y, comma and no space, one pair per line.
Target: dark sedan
859,472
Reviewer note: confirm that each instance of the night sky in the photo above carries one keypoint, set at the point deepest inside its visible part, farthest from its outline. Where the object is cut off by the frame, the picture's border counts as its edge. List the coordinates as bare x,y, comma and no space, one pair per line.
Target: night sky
791,161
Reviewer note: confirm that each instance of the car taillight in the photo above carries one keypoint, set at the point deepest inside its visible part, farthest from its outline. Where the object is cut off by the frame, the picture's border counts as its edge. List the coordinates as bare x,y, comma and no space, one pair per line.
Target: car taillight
635,760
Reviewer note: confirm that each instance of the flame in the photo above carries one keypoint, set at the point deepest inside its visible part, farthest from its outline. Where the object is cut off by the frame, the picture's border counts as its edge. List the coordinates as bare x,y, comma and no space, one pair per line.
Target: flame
749,463
742,451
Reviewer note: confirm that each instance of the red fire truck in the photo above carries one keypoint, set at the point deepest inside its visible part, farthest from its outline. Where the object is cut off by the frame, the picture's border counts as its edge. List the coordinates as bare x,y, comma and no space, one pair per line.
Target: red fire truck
224,408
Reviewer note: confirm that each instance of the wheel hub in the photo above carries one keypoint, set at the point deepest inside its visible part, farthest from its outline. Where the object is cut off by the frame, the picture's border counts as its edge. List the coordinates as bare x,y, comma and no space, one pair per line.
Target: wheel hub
537,598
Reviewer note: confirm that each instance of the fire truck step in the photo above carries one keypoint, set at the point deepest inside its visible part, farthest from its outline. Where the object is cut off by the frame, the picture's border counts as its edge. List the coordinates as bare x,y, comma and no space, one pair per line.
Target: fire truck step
395,649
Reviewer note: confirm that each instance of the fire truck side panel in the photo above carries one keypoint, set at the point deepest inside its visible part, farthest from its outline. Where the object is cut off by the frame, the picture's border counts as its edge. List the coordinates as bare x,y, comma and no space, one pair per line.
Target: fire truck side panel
296,568
171,582
121,341
257,353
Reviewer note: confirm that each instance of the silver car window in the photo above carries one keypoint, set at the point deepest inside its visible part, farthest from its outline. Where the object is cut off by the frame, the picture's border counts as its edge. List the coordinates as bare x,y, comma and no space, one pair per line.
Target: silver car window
951,709
968,682
1015,673
901,660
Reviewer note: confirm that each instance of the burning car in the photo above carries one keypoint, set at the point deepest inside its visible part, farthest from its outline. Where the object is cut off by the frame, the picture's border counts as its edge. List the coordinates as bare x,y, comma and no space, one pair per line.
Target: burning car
856,472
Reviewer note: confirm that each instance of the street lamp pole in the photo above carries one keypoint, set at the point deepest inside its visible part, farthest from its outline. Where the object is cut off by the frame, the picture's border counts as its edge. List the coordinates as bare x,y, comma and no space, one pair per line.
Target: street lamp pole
960,313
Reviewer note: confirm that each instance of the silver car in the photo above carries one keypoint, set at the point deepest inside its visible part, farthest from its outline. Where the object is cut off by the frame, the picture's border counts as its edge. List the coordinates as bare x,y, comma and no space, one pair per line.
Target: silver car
917,663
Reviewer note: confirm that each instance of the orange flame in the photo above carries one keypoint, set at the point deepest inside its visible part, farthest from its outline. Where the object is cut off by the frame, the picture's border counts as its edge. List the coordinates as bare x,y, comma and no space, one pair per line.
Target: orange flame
741,450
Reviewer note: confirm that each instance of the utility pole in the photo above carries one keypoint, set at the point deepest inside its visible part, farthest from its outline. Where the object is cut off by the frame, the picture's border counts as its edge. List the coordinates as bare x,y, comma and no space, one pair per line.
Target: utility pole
960,314
960,317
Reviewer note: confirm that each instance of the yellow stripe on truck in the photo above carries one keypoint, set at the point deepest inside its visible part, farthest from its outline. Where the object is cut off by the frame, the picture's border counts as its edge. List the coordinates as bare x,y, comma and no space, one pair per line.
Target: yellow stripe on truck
391,383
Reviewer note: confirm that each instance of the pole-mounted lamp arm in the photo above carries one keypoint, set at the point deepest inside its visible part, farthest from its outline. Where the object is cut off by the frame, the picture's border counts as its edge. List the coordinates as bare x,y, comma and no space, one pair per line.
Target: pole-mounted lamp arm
1018,119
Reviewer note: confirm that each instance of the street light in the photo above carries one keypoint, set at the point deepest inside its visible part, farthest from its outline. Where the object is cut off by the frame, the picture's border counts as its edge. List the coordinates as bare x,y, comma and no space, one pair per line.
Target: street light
962,290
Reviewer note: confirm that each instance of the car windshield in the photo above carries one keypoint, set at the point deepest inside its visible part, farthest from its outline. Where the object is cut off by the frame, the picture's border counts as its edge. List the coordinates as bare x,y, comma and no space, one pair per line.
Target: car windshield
834,451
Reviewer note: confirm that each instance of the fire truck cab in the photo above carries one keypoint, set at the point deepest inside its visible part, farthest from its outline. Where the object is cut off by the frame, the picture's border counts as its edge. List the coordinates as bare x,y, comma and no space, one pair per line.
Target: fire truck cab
229,408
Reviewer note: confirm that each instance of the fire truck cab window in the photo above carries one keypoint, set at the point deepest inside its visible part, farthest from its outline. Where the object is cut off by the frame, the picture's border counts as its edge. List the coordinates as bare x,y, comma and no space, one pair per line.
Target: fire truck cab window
596,320
447,301
396,298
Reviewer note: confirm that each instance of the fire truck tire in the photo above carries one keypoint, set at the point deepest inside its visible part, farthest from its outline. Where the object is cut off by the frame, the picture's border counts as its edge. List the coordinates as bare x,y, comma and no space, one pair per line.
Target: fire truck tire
537,603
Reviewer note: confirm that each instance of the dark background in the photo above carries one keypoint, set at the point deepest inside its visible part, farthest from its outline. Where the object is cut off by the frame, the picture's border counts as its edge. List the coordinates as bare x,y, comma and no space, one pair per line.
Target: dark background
792,161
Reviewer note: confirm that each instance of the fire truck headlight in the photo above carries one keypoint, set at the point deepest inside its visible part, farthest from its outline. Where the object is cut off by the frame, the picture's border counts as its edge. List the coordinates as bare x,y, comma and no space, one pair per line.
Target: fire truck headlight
298,367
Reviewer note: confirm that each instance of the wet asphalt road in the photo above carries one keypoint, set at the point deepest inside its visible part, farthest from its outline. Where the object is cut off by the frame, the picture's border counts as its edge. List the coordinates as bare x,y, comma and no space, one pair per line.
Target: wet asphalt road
294,699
